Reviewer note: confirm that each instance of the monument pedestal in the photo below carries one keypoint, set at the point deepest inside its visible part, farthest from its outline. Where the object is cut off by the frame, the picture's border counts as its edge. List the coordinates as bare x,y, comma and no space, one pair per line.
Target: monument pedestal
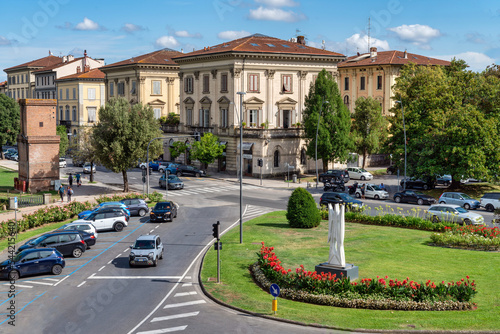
349,270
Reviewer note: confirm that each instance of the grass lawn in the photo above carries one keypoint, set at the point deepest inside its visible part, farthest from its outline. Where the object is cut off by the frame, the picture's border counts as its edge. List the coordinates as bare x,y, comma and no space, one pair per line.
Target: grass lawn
33,232
396,252
474,190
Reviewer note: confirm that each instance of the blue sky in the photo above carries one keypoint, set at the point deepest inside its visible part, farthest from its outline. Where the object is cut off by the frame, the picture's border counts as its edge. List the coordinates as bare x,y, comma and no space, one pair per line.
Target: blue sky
117,30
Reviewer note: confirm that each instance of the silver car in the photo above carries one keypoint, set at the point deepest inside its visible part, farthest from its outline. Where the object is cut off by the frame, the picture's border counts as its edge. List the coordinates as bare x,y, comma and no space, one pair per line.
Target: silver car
146,250
454,214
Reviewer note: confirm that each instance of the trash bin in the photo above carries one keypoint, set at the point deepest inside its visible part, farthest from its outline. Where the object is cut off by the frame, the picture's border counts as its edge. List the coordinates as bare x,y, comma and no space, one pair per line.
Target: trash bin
294,178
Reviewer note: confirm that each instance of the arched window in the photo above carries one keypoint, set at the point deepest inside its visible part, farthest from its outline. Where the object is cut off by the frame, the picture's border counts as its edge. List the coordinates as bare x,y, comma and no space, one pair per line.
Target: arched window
276,158
303,158
346,101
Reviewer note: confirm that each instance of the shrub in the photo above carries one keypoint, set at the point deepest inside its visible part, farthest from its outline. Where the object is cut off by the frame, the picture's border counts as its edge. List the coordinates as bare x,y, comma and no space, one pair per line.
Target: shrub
301,210
469,237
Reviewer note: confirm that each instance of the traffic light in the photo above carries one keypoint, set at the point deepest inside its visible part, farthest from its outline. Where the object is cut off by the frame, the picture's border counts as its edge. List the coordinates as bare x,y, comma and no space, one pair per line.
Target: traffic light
260,162
197,136
216,230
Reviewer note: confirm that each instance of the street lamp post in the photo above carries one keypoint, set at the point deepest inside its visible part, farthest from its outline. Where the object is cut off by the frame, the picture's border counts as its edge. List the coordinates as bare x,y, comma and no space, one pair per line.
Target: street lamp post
316,142
404,134
241,165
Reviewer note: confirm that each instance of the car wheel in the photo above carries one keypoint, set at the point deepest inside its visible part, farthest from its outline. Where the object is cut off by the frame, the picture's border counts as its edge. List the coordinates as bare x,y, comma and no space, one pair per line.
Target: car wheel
389,172
467,221
397,199
178,173
426,187
435,219
161,255
130,264
358,195
77,252
143,167
363,178
490,208
142,212
466,206
118,227
420,201
376,197
155,262
14,275
442,202
447,183
56,269
197,174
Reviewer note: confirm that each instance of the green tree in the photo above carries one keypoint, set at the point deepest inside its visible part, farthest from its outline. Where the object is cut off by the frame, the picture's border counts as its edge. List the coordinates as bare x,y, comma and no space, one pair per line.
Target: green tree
177,149
334,141
122,135
83,150
301,210
450,127
369,127
64,143
207,149
10,121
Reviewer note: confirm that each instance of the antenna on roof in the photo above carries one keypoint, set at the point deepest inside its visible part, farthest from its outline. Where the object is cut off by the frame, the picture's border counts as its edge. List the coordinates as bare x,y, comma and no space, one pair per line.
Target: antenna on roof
369,28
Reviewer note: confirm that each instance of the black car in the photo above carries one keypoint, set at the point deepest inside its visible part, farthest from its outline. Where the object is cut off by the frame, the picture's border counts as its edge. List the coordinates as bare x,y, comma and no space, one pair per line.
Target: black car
334,174
391,170
163,211
136,206
412,196
32,262
190,170
66,242
417,184
352,204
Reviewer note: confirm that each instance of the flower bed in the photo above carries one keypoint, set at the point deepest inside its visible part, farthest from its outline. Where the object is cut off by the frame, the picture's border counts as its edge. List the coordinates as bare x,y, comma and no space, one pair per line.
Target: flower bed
470,237
379,293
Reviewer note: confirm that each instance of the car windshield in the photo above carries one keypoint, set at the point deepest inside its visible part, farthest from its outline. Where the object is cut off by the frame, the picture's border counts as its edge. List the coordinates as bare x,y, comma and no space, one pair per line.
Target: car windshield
173,179
377,188
144,244
362,170
461,210
18,257
465,196
162,206
36,241
346,197
418,193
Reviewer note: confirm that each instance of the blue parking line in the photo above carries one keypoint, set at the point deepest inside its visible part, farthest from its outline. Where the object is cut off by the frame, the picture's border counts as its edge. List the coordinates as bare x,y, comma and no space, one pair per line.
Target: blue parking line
25,306
11,297
71,266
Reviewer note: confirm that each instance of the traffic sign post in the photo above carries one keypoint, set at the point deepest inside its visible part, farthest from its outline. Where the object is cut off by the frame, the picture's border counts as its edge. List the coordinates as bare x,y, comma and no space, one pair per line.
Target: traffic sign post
217,245
275,292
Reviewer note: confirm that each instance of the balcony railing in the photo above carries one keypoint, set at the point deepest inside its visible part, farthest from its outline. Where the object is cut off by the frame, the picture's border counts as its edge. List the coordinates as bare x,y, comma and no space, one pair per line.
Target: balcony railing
271,133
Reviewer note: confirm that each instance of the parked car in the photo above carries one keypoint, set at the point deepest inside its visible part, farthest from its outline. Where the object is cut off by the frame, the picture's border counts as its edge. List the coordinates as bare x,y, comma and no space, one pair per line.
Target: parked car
454,214
170,166
359,173
153,165
114,220
106,207
444,180
9,153
86,168
351,203
136,206
66,242
372,191
391,170
85,227
412,196
173,182
490,201
460,199
62,163
190,170
32,262
163,211
412,183
146,250
14,156
77,163
334,174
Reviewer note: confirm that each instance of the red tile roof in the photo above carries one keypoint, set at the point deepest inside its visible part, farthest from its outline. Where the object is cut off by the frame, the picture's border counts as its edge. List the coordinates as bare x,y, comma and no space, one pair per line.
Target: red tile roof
258,43
92,74
160,57
48,68
3,83
42,62
390,58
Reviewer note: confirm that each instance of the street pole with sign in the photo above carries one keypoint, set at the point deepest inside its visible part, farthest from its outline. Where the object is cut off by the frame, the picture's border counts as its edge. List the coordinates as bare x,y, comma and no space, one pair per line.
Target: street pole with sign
241,165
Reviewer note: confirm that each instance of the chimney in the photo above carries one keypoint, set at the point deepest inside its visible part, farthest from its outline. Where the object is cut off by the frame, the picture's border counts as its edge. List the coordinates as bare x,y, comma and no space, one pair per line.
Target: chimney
373,53
65,59
86,68
84,61
405,55
301,40
78,70
70,57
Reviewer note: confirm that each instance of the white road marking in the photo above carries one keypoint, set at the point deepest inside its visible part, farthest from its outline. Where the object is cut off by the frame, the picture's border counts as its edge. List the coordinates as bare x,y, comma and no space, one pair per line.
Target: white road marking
187,277
51,279
79,285
165,330
175,316
61,280
157,226
110,261
21,286
133,277
43,283
182,294
126,249
194,302
118,255
187,284
151,231
102,268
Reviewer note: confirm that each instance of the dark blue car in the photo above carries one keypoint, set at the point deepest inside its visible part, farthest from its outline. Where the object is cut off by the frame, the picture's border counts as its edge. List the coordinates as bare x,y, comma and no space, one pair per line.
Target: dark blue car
32,262
163,211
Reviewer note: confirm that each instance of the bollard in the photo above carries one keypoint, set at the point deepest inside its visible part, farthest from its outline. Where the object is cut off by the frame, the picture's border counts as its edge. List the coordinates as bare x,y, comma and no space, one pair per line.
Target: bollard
275,305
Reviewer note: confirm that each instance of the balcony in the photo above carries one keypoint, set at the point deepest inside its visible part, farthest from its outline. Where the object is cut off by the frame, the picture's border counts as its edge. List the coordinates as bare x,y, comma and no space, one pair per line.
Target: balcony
167,128
270,133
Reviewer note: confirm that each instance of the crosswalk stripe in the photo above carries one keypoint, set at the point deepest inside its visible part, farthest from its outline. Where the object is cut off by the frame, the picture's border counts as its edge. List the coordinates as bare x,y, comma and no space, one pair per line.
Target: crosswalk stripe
182,294
165,330
187,284
175,316
209,189
194,302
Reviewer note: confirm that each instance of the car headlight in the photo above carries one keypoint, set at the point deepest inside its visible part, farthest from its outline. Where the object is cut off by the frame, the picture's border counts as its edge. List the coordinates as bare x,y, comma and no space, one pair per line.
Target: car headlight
151,255
131,254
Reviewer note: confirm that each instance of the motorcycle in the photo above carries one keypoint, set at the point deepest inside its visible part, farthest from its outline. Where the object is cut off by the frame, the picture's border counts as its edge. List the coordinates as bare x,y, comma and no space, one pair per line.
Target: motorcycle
335,186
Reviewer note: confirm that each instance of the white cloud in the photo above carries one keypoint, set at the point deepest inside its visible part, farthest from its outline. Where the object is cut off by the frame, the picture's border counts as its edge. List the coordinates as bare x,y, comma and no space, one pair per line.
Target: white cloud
185,33
278,3
166,42
275,14
4,41
87,24
231,34
476,61
131,28
417,34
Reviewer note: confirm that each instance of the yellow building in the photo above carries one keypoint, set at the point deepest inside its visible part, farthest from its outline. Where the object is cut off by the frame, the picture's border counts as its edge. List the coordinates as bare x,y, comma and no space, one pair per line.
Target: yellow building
151,79
373,75
80,110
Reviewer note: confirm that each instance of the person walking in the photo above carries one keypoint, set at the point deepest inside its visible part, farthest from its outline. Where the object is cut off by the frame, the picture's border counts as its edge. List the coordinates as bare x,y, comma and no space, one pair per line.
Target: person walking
78,179
363,191
70,179
61,192
69,192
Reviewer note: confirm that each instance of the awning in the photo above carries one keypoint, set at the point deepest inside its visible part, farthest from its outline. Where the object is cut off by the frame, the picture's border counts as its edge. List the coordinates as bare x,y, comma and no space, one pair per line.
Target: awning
246,146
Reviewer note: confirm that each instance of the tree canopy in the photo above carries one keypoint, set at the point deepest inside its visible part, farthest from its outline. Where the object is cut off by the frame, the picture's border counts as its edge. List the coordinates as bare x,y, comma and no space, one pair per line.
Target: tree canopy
10,121
82,149
451,117
207,149
122,136
64,143
177,149
324,102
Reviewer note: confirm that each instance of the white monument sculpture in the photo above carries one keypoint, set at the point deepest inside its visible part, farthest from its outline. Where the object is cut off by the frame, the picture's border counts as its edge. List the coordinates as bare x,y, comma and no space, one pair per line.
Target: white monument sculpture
336,231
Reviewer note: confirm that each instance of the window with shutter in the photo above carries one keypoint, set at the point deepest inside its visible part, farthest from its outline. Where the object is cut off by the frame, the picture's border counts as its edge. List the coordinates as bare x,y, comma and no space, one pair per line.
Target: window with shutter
111,89
133,90
379,82
253,82
92,114
91,93
253,118
223,113
189,116
206,83
121,88
286,83
346,83
188,84
74,114
156,87
362,83
157,112
67,113
223,83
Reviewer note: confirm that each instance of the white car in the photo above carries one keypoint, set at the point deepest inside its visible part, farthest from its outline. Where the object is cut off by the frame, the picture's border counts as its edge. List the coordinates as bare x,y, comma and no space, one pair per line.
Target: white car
146,250
372,191
453,213
62,163
359,173
80,226
114,220
86,168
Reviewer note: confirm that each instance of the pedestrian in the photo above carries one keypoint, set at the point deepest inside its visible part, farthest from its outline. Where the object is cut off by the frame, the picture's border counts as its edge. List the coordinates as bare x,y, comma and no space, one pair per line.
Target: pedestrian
78,179
70,179
363,191
69,192
382,187
61,192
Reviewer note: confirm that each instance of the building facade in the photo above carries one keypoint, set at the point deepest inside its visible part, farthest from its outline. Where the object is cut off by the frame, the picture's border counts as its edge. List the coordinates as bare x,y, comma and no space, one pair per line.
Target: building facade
270,78
3,87
373,75
82,95
151,79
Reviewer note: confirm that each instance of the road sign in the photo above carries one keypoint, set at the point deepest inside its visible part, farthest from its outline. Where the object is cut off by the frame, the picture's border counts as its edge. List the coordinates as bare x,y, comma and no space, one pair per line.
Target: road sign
15,203
275,290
